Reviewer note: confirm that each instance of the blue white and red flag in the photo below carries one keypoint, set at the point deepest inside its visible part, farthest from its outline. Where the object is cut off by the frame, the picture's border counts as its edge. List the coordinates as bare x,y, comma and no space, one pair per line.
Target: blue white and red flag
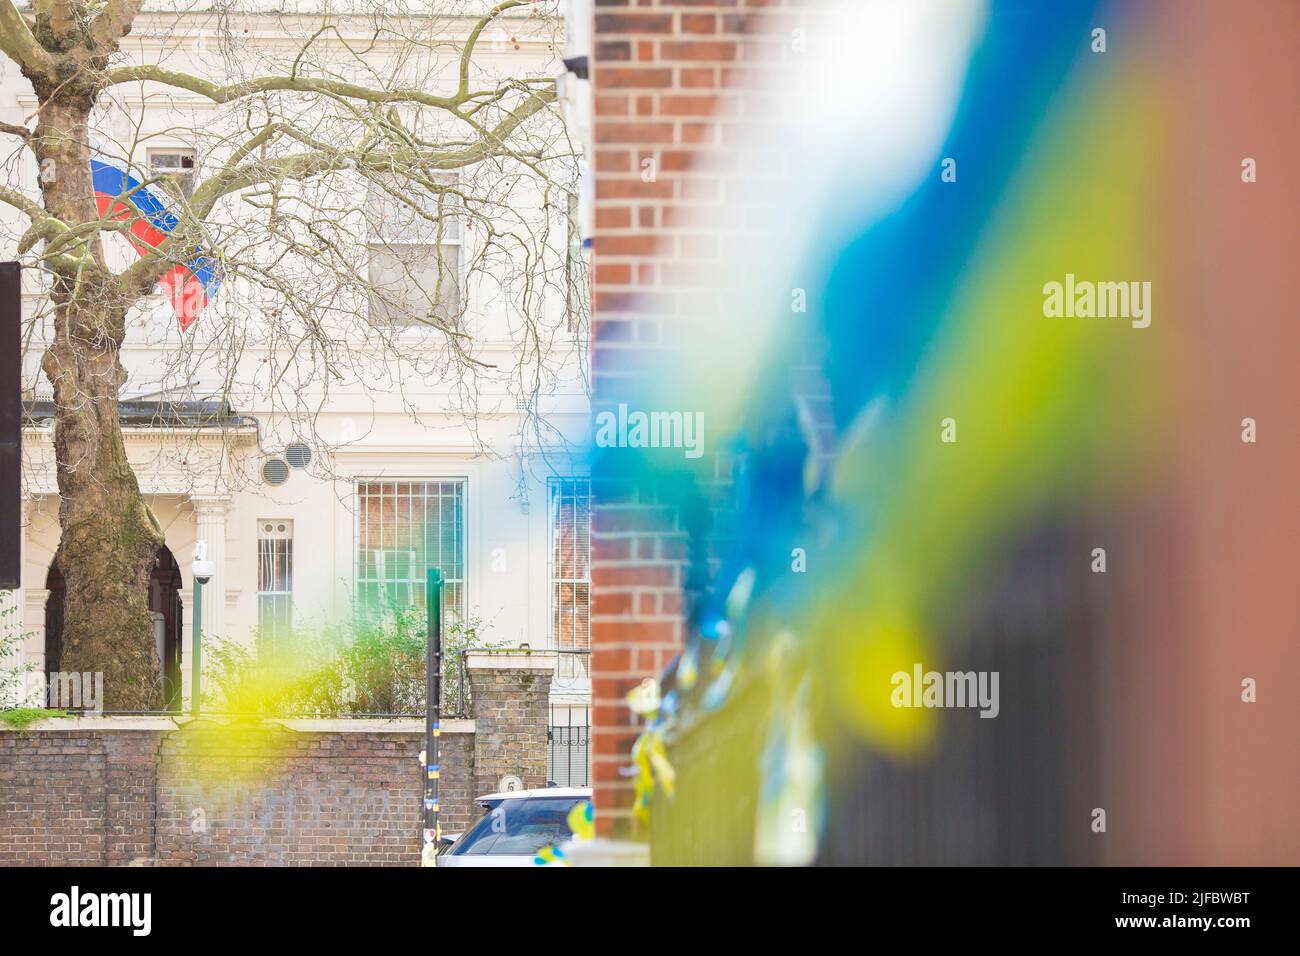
120,196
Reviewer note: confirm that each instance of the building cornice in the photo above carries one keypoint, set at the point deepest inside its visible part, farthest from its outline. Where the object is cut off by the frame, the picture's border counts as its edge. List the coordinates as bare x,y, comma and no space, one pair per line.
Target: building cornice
167,461
243,434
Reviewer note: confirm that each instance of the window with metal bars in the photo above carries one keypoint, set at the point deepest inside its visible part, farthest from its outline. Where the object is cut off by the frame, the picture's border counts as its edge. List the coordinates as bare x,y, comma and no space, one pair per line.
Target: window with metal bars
274,580
402,529
570,573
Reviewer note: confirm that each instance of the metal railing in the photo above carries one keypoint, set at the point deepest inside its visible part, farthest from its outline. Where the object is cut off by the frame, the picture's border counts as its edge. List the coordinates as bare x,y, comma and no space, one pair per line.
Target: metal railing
571,678
568,752
572,674
977,792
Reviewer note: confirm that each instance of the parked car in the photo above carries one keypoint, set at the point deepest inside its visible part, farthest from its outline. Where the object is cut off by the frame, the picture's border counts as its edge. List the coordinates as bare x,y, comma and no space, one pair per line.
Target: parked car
515,826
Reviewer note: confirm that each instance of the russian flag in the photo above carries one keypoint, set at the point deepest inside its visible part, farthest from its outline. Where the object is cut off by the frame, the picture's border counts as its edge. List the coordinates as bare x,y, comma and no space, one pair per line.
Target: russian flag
120,196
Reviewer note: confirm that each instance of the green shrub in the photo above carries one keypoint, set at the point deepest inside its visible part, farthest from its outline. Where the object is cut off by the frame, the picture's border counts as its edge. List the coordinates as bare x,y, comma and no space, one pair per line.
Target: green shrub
374,665
19,717
13,679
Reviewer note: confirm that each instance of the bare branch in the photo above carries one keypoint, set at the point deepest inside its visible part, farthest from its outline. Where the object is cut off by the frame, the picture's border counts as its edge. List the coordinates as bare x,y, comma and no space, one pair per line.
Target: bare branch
114,22
30,207
229,92
467,54
17,42
237,175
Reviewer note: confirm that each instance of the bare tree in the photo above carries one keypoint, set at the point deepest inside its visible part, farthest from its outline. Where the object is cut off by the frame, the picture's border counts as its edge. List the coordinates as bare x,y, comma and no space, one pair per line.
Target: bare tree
312,155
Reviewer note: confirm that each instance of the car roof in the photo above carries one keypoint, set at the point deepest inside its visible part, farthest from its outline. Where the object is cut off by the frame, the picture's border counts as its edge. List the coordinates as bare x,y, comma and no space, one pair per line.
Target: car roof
582,792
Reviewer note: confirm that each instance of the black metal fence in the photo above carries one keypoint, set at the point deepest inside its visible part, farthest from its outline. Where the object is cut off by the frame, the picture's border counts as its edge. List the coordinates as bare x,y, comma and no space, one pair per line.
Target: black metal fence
1017,790
569,753
568,758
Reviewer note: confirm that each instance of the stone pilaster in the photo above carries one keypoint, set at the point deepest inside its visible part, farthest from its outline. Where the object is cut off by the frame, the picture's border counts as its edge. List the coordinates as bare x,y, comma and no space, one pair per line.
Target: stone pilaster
210,526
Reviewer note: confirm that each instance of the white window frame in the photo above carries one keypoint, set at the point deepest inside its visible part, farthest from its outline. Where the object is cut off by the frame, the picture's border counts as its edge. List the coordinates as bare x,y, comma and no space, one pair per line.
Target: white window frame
552,484
281,529
153,152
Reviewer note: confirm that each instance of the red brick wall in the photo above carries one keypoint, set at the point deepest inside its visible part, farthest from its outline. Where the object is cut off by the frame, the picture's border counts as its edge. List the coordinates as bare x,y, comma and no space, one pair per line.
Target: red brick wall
673,86
77,798
212,793
211,796
266,796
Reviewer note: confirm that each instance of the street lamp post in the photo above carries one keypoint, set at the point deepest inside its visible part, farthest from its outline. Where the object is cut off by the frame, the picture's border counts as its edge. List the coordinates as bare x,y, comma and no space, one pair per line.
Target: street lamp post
432,717
202,570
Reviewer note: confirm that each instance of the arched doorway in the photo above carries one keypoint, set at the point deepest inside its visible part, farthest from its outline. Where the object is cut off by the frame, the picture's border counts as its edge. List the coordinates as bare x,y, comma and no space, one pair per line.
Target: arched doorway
54,619
164,607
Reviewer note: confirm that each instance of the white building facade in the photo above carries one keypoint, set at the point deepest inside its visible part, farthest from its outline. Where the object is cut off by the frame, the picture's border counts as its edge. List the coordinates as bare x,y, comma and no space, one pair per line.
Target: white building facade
320,489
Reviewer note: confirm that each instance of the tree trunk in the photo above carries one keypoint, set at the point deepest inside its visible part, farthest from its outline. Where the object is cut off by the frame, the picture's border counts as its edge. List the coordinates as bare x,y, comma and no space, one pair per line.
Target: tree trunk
109,536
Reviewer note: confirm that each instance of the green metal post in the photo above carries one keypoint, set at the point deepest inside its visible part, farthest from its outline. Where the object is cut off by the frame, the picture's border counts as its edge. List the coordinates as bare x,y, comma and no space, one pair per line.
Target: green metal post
432,713
196,664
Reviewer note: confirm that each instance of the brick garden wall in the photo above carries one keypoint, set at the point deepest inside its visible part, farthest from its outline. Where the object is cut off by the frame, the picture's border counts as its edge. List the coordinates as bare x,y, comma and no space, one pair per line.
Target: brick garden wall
77,798
210,794
213,793
268,796
673,97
